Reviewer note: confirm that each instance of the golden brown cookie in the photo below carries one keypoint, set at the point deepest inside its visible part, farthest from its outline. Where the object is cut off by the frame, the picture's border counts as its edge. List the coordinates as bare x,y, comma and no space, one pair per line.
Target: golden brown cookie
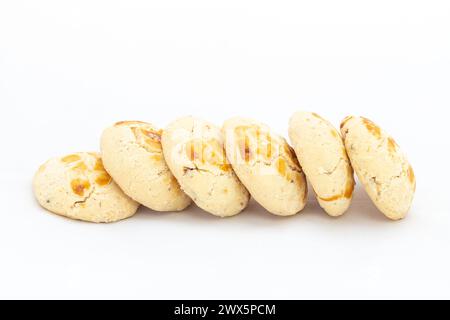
380,165
321,153
78,187
194,151
132,154
266,165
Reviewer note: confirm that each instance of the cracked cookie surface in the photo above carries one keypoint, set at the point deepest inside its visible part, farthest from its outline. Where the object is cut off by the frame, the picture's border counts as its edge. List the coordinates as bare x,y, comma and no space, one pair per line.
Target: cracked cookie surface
322,155
380,165
194,151
132,155
77,186
266,165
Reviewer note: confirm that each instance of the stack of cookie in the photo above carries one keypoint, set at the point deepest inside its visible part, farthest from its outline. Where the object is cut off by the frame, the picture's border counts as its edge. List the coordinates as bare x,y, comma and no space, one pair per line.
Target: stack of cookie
220,168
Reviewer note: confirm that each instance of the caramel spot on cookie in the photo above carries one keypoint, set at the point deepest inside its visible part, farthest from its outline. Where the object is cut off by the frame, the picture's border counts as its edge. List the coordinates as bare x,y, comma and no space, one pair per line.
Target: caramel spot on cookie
334,133
253,141
103,179
153,138
349,189
71,158
209,152
148,138
152,134
333,198
392,145
372,127
156,157
269,147
99,165
225,167
281,166
79,186
190,151
197,151
153,145
243,134
80,166
265,147
244,148
348,192
411,175
215,155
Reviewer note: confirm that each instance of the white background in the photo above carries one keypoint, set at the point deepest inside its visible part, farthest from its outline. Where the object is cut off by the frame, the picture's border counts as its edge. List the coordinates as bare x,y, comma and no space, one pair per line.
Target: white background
70,68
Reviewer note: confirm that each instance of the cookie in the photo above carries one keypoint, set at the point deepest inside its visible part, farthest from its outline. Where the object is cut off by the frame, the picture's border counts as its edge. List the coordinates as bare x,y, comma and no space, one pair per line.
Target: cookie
78,187
380,166
132,155
322,156
193,149
266,165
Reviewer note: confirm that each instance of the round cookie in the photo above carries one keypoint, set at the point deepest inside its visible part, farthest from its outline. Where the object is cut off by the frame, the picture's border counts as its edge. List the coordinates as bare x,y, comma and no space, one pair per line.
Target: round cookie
193,149
132,155
78,187
322,156
266,165
380,165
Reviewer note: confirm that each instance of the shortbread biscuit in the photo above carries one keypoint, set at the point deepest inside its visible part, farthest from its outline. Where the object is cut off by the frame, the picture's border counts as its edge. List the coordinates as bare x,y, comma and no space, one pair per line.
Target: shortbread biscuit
322,156
194,152
132,155
380,165
266,165
78,187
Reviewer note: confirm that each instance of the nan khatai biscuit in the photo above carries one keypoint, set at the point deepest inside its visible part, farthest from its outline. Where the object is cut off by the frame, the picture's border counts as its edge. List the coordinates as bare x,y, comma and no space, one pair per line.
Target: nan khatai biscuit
132,155
195,154
77,186
380,165
266,165
322,156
